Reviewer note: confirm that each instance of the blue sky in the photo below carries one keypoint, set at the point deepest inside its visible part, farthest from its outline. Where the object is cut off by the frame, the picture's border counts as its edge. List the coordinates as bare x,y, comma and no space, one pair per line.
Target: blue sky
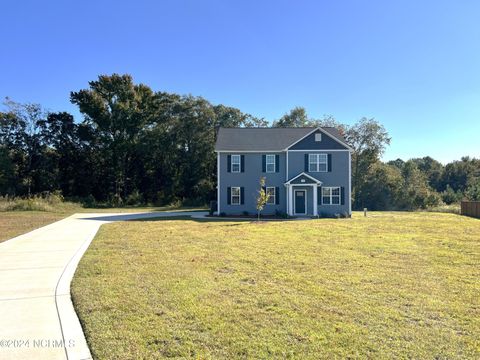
413,65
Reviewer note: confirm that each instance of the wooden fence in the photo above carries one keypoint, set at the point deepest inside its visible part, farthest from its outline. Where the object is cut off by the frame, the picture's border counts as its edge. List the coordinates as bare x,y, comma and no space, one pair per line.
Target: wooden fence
471,208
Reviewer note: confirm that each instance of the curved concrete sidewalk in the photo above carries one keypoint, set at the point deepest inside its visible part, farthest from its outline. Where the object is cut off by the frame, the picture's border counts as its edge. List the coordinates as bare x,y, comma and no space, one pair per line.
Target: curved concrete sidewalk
37,319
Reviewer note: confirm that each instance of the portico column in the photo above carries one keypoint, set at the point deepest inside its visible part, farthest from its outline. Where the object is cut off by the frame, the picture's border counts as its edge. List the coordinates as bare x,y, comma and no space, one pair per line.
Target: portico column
287,200
315,200
290,200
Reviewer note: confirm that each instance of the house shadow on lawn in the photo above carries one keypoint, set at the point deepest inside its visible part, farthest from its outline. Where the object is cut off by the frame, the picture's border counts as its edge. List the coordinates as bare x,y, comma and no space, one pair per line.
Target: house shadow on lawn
161,217
200,220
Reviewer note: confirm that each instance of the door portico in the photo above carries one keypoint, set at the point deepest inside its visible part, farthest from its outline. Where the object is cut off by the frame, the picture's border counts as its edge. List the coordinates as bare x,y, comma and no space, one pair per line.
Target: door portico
298,185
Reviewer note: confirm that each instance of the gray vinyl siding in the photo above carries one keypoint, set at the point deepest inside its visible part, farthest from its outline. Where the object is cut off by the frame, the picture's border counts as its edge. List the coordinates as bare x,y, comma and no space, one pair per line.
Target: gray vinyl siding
339,173
249,180
339,176
309,143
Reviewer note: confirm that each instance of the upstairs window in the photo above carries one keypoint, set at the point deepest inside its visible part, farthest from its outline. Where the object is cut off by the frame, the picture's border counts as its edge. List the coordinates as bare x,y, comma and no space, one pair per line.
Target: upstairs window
270,163
331,195
317,163
318,137
235,164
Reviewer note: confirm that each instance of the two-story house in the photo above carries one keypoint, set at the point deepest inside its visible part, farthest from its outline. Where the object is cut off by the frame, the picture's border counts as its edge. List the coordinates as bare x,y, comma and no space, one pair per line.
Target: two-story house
307,170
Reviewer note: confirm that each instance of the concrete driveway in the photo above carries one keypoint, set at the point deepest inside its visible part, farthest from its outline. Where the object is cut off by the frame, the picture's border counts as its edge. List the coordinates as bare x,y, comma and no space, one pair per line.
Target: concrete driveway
37,319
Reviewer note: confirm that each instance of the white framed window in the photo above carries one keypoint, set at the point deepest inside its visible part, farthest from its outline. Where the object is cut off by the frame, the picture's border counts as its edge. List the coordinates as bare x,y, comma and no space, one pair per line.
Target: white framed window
318,137
270,163
317,162
235,196
270,191
331,195
236,160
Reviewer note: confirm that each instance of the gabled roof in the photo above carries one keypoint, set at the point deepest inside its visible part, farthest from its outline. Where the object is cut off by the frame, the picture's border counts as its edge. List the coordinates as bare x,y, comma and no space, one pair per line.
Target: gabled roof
303,174
266,139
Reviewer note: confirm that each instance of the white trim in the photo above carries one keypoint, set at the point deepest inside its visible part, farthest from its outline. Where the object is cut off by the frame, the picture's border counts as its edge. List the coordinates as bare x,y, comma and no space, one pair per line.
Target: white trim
277,151
319,150
274,163
290,210
286,167
218,183
337,140
318,182
239,195
323,131
239,163
331,195
303,137
295,202
249,151
318,162
286,179
274,194
350,184
290,196
315,200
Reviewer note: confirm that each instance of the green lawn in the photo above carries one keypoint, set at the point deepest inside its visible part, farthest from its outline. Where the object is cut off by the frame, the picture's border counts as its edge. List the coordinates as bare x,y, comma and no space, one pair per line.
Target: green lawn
403,285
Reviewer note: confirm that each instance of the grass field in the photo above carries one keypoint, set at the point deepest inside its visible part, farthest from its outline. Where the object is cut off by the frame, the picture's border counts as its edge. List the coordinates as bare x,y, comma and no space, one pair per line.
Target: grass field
403,285
14,223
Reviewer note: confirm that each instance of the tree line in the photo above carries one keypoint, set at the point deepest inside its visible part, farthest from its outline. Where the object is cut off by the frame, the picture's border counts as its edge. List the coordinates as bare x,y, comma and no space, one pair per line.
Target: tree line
139,146
418,183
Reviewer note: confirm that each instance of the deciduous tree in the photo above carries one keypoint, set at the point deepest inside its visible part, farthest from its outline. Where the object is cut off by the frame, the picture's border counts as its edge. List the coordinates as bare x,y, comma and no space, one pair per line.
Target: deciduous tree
262,197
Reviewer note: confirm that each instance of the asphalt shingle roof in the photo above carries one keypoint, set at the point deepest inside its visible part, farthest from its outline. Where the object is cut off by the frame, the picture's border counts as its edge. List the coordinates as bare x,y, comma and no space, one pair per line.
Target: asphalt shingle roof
264,139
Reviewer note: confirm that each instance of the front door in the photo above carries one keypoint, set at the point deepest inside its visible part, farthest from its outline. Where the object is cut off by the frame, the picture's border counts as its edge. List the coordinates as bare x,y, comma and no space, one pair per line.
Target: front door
300,202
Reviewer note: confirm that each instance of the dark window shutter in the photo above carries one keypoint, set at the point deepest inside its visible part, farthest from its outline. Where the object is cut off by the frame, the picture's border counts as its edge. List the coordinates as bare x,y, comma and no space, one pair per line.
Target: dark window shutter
242,163
264,163
277,195
319,195
277,163
329,162
342,195
306,162
229,163
229,195
242,195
